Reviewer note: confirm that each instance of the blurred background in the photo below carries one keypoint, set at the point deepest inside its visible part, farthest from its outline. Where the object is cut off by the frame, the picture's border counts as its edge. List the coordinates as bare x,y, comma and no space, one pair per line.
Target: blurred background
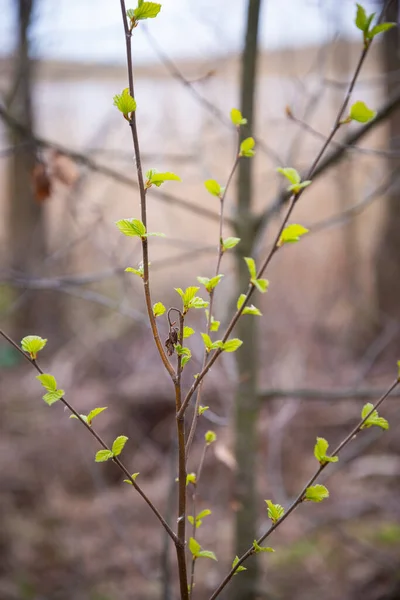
328,340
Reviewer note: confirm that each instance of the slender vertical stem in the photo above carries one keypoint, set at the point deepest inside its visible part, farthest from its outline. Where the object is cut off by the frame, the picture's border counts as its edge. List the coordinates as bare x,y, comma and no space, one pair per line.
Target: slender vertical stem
194,528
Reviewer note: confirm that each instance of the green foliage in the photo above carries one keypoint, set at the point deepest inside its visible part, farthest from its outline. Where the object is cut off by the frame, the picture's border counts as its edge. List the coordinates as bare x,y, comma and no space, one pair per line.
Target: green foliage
198,520
210,284
190,300
49,383
236,118
191,478
364,21
89,418
295,180
231,345
275,511
135,228
144,10
213,187
210,437
320,450
214,325
187,332
209,344
134,475
185,353
248,310
157,179
374,419
32,344
158,309
246,147
139,271
125,103
240,568
197,552
360,112
118,444
259,549
103,455
292,234
260,284
229,242
316,493
202,410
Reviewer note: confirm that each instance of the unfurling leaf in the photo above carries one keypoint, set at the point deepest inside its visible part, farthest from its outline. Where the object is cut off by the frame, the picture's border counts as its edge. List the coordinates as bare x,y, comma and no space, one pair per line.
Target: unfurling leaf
32,344
291,234
199,518
361,18
125,103
187,332
231,345
374,419
229,242
118,445
259,548
94,413
275,511
52,397
293,176
103,455
194,547
240,568
381,28
213,187
131,227
236,118
144,10
320,450
134,475
206,554
48,382
248,310
202,409
316,493
360,112
157,179
191,478
210,284
139,271
210,437
246,147
158,309
251,265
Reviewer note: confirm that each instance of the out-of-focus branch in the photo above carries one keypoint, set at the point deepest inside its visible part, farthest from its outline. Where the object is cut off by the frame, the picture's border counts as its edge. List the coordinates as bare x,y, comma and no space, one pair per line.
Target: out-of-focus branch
323,395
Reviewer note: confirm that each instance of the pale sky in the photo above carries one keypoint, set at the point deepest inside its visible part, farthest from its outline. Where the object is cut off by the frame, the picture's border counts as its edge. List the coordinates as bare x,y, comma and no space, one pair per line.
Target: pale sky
92,30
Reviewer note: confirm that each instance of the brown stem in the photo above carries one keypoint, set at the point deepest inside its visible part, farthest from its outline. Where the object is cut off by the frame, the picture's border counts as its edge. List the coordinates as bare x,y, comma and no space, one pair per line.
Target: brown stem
300,498
93,432
194,497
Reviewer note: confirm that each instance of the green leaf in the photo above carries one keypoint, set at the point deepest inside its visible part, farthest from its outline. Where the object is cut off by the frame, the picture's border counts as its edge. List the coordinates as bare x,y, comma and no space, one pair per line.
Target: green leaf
248,310
134,475
202,409
131,227
251,265
206,554
320,450
275,511
259,549
361,20
191,519
124,102
146,10
93,413
210,284
204,513
261,284
316,493
292,234
157,179
194,547
103,455
236,117
246,147
230,242
291,174
240,568
83,417
213,187
180,292
191,478
210,437
360,112
198,302
232,345
185,359
118,445
214,325
158,309
189,294
33,344
139,271
48,382
52,397
207,341
187,332
382,27
374,419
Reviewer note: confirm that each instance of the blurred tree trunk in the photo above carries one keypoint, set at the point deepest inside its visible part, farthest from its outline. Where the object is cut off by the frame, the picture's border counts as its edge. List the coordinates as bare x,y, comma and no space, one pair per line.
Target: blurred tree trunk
246,400
40,311
388,250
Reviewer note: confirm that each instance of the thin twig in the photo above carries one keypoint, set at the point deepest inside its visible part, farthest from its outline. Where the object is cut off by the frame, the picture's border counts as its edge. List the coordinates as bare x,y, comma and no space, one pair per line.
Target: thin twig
194,528
93,432
301,496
